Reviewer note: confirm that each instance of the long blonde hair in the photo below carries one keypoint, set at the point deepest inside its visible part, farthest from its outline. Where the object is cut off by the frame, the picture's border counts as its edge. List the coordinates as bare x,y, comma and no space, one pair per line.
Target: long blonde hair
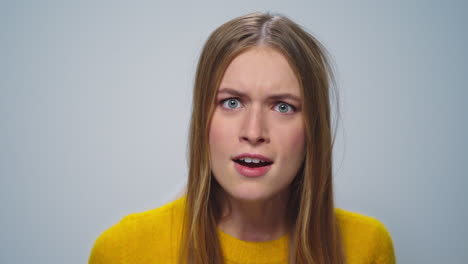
315,236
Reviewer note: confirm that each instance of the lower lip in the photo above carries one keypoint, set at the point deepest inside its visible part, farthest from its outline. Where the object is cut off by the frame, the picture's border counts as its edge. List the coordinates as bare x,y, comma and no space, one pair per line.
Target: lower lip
251,172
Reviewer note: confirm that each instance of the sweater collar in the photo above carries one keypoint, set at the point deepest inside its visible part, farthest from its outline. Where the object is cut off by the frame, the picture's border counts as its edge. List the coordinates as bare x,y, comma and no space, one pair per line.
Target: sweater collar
247,252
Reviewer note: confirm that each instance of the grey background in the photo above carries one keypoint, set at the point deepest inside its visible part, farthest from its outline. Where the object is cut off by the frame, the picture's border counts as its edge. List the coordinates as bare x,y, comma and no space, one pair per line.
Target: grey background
95,104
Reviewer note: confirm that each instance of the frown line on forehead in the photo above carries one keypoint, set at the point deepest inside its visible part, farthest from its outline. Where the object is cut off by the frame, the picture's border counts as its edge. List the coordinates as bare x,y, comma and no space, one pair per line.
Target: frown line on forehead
280,96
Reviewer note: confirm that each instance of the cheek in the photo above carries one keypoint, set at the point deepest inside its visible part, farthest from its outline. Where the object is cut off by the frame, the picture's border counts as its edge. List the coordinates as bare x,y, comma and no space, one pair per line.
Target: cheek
219,135
299,139
216,133
294,144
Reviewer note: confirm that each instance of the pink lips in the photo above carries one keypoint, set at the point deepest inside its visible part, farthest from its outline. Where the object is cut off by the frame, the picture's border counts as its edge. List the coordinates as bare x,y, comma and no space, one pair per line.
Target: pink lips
252,172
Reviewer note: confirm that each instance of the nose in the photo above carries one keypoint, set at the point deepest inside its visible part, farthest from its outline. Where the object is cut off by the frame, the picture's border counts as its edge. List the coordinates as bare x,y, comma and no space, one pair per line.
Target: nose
254,130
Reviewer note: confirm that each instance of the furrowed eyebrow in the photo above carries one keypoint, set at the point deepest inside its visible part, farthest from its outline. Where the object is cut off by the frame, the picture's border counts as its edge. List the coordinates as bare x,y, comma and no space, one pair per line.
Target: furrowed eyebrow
281,97
275,97
231,92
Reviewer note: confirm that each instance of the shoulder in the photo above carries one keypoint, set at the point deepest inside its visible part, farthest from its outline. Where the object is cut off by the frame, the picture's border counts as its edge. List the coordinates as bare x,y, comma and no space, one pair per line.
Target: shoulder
139,237
365,238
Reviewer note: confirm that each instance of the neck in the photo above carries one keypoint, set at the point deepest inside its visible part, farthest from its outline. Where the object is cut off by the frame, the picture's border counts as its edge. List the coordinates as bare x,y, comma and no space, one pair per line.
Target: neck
261,220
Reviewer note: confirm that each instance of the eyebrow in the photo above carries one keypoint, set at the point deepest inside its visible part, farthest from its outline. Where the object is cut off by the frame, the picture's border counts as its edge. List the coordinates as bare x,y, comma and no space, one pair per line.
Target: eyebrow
275,97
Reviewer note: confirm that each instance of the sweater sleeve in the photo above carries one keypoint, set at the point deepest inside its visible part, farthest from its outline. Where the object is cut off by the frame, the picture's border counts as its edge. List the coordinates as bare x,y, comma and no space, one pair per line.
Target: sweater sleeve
146,237
113,245
100,252
383,246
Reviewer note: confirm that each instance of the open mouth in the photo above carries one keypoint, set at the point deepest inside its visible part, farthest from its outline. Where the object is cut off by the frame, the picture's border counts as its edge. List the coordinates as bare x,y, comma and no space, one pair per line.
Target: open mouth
252,163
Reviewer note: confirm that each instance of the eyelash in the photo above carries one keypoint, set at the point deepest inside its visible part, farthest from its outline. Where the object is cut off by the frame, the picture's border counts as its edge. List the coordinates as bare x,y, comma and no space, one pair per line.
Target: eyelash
222,102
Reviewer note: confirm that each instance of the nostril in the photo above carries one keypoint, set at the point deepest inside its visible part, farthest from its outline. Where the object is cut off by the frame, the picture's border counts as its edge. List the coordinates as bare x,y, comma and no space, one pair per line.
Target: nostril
254,140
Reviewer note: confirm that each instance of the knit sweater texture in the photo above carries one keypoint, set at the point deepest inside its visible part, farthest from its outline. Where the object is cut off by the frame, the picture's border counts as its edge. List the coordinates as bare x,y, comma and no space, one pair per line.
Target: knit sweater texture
154,237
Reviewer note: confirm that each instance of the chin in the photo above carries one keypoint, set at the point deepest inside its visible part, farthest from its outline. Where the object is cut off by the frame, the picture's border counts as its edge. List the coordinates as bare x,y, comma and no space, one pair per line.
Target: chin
250,194
247,190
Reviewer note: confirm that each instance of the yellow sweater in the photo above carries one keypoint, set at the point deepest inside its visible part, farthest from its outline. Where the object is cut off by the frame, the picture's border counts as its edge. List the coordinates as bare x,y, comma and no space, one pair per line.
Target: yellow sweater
153,237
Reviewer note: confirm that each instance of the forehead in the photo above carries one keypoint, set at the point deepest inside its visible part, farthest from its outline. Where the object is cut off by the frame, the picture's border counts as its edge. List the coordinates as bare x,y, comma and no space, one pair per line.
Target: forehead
261,69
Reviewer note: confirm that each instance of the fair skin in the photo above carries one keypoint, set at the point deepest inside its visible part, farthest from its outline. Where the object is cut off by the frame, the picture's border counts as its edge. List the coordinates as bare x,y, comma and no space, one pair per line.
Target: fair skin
258,111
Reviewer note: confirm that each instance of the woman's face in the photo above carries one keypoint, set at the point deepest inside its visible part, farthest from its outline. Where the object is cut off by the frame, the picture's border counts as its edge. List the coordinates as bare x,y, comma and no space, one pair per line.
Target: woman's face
257,137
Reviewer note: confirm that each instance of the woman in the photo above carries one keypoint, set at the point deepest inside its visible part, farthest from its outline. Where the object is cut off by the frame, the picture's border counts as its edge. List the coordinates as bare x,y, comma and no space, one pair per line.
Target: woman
260,176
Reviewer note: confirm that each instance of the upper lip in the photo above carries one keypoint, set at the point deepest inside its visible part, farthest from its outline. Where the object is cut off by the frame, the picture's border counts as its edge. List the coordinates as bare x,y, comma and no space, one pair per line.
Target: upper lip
252,156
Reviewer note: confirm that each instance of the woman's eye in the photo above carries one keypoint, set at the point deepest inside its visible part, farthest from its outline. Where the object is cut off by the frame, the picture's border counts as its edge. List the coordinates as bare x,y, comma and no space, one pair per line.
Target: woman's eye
231,103
284,108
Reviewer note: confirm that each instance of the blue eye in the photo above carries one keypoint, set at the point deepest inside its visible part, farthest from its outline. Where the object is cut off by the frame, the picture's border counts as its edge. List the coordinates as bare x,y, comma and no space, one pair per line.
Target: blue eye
284,108
231,103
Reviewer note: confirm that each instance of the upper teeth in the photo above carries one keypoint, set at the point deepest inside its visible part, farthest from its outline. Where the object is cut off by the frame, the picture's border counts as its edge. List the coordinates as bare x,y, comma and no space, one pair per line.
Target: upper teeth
249,160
